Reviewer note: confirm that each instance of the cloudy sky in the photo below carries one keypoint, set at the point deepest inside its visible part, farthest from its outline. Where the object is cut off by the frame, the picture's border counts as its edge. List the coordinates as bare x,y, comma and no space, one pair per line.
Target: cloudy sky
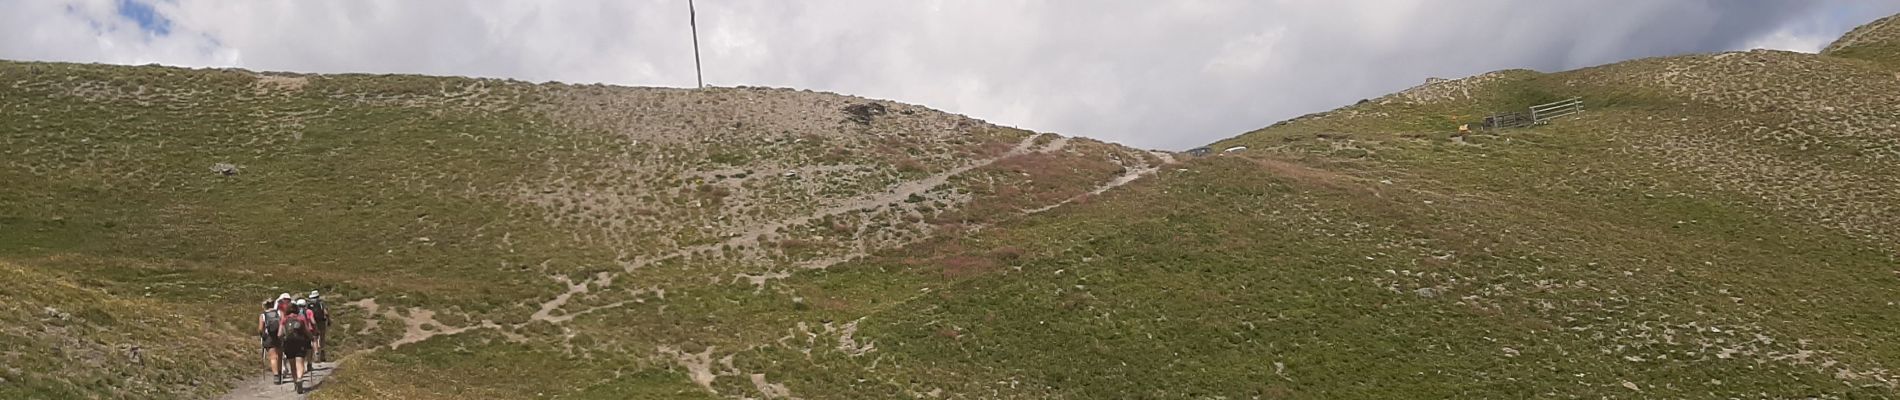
1159,74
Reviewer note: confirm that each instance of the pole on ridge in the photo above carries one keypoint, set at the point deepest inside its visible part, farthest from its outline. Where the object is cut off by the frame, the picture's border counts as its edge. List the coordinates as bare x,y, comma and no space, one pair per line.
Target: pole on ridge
692,19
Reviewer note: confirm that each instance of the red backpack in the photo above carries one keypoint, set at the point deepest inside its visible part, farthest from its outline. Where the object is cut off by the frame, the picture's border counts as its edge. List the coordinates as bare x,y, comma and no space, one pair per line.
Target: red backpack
296,327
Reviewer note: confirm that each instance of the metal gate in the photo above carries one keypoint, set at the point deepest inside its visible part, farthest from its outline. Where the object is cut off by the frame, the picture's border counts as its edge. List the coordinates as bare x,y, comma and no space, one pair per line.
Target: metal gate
1543,113
1537,115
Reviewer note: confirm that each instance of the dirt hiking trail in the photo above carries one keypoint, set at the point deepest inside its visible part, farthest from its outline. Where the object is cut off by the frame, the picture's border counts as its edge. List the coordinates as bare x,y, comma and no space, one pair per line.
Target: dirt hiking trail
261,388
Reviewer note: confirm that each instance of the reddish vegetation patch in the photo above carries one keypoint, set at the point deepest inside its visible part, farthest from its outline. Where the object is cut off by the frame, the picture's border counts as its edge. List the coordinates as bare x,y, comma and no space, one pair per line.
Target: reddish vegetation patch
996,147
711,192
910,165
796,244
1301,174
1007,253
840,228
948,258
963,265
835,156
831,303
951,229
1077,300
1083,199
1031,181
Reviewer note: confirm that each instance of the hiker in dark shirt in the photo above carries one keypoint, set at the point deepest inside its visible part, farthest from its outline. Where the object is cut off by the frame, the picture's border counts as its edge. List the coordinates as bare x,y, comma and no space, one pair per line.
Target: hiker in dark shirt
267,323
321,316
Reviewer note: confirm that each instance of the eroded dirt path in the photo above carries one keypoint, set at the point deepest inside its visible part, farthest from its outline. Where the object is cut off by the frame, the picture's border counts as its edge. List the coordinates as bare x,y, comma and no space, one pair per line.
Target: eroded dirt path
262,387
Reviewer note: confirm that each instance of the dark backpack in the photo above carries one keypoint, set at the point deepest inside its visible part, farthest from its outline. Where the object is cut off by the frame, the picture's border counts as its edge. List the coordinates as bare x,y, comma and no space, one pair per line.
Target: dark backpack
296,328
316,310
270,323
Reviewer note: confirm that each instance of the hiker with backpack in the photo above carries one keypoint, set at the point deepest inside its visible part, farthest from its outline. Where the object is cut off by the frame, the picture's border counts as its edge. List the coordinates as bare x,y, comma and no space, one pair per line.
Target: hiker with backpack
296,333
267,324
321,316
284,309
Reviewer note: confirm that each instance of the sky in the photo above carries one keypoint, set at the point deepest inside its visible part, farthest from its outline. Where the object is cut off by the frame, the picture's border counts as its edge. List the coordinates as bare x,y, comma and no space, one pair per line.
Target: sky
1153,74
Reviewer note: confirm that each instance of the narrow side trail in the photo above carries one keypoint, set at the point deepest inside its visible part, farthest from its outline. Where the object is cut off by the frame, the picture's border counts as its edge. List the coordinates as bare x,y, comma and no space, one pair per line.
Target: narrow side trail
895,195
261,387
1132,175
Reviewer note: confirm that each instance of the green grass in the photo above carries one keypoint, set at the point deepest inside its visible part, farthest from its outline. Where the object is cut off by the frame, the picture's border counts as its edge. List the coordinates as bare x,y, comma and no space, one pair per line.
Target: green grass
1244,271
68,341
483,365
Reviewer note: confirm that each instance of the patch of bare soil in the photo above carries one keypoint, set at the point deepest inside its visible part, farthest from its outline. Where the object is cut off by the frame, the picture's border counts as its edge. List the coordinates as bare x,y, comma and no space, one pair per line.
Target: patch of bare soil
281,83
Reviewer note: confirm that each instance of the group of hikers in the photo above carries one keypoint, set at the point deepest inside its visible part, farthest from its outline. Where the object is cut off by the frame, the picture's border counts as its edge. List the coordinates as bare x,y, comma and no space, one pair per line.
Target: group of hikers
292,332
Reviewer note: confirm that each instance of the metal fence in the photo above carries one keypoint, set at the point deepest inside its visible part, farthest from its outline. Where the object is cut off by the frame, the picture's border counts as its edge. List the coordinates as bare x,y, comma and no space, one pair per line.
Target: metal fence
1543,113
1508,120
1537,115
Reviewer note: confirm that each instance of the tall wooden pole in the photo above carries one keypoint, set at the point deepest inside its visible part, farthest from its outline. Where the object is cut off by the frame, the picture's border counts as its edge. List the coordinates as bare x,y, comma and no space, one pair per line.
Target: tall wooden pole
692,19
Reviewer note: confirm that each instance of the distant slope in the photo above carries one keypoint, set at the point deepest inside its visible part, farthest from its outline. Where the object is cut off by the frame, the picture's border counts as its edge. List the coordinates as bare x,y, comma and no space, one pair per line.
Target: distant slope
1877,41
1714,225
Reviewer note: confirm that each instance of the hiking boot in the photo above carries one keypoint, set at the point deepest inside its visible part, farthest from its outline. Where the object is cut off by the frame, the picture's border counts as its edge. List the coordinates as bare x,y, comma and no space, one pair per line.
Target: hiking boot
299,387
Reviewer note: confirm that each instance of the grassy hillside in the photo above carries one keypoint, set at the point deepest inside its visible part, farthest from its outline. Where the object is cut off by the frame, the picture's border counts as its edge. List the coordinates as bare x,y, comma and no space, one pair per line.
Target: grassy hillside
1695,234
428,206
1716,225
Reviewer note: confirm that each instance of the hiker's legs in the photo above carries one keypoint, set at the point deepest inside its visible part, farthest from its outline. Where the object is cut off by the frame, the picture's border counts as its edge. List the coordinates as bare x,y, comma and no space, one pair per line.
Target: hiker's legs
316,343
296,364
274,356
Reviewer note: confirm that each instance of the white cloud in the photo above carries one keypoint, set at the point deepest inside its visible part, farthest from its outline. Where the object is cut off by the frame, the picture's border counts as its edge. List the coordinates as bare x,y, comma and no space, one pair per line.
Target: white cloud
1155,74
1790,41
1246,55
